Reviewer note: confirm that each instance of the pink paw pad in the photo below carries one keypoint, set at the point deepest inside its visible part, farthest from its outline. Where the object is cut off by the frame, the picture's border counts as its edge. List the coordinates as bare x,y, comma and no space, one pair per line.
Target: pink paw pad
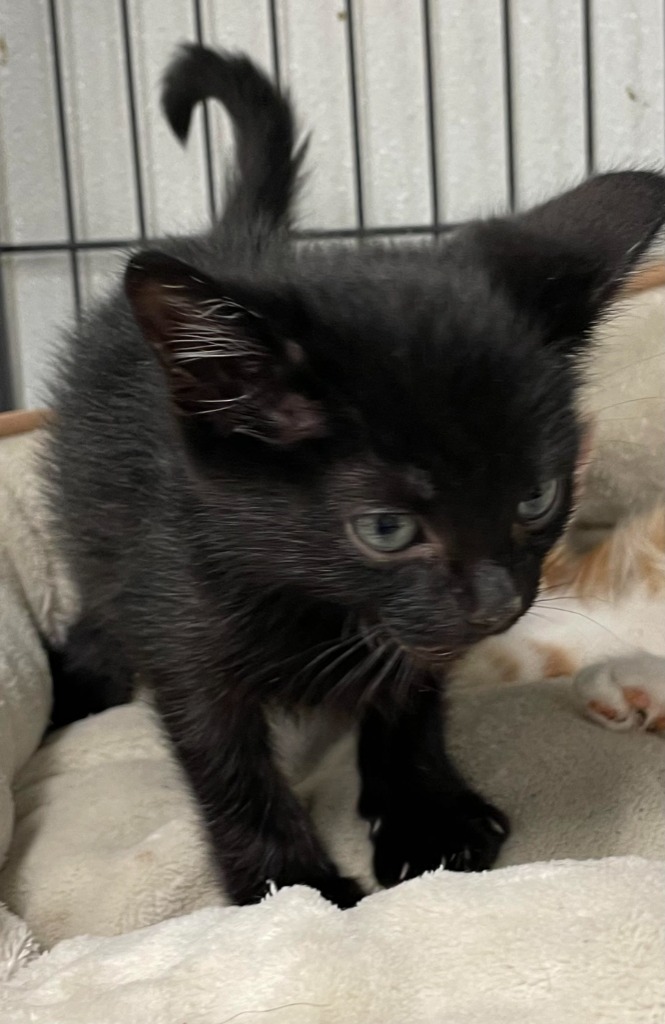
624,693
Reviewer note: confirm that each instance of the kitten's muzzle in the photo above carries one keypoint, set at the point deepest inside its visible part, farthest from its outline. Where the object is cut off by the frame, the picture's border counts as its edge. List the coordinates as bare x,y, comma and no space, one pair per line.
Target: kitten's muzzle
497,620
495,604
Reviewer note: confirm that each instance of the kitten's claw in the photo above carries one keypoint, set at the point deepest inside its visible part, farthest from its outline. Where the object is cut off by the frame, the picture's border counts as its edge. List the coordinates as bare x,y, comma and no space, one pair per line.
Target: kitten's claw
421,831
624,693
497,826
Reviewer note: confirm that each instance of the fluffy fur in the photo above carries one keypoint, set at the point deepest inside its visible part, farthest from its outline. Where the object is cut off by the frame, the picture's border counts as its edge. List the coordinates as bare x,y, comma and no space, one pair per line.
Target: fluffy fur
224,420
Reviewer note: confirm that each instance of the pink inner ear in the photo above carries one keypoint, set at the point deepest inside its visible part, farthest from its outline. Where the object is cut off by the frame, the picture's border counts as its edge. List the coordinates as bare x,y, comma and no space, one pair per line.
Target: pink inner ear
223,362
297,418
153,308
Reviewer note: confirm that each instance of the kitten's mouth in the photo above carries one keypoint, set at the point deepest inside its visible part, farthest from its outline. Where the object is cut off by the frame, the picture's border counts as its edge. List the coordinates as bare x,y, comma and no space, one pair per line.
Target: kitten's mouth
429,657
435,656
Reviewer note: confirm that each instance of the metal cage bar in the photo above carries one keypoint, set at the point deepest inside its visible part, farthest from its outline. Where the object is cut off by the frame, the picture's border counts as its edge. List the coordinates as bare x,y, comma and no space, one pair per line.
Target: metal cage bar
73,246
207,130
321,234
355,117
274,43
64,155
7,395
589,125
431,112
508,102
133,119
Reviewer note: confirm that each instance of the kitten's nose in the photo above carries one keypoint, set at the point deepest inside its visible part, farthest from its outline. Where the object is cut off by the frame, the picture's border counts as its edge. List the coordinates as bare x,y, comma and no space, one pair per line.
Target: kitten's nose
495,603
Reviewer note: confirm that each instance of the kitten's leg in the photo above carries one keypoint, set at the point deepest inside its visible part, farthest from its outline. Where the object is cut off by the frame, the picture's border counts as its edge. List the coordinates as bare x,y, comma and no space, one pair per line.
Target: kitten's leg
260,833
627,692
422,812
88,675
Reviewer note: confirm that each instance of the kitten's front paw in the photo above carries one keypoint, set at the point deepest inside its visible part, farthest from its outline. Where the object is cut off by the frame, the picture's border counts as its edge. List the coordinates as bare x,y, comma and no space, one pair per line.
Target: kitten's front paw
624,693
422,832
343,892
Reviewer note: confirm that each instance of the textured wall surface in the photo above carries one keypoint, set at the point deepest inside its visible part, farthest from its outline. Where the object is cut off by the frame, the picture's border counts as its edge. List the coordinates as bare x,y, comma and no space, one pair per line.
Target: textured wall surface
474,121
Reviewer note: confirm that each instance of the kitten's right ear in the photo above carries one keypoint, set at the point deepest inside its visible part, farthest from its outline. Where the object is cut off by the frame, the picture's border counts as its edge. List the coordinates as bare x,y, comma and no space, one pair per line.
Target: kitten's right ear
225,359
564,261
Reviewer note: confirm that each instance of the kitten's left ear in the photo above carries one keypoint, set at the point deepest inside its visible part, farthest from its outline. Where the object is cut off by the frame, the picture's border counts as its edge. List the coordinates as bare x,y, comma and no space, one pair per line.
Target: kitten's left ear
224,357
565,261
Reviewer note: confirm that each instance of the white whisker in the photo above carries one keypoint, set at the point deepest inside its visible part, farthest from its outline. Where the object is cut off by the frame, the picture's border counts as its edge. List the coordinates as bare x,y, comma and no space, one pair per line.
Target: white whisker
600,381
221,401
581,615
628,401
189,356
222,404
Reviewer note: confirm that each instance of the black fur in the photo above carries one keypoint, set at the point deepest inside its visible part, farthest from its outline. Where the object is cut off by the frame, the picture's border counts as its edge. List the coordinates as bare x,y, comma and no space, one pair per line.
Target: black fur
220,423
268,160
84,659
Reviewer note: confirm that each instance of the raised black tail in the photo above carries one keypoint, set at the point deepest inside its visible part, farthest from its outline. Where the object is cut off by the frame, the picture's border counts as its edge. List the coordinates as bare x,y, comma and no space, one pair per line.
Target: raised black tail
267,158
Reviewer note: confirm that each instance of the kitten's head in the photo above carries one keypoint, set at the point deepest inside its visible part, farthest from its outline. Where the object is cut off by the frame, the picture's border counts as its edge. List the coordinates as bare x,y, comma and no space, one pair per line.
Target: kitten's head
395,431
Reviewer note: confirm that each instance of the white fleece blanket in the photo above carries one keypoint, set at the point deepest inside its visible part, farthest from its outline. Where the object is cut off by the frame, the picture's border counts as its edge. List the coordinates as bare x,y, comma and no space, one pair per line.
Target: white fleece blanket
105,840
564,943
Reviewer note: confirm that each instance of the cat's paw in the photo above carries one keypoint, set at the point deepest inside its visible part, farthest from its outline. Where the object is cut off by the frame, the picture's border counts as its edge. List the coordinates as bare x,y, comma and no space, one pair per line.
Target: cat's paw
343,892
624,693
422,831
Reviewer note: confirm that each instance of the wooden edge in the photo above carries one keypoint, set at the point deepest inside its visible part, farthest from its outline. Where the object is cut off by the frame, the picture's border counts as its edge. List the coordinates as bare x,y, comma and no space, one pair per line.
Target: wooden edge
21,422
650,276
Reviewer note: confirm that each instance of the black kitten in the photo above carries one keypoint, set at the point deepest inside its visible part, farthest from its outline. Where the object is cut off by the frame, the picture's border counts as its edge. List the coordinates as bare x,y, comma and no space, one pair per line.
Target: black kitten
295,475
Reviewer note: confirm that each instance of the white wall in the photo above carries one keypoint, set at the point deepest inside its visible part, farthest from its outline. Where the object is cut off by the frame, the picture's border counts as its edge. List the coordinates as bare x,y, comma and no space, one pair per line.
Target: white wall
468,51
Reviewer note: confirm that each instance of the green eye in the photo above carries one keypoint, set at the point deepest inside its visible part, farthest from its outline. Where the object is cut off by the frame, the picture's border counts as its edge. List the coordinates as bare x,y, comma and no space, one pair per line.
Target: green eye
385,531
541,504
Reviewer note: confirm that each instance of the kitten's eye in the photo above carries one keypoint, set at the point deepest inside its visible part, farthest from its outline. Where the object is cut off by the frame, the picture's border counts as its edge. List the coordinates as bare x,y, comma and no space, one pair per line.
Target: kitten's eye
541,504
385,531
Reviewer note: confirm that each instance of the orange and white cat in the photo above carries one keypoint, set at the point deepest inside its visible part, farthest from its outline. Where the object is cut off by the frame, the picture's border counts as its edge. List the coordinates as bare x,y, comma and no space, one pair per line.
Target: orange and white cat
600,619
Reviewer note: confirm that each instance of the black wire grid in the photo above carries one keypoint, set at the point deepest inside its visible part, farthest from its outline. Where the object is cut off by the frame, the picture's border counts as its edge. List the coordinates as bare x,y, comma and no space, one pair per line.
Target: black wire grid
74,246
